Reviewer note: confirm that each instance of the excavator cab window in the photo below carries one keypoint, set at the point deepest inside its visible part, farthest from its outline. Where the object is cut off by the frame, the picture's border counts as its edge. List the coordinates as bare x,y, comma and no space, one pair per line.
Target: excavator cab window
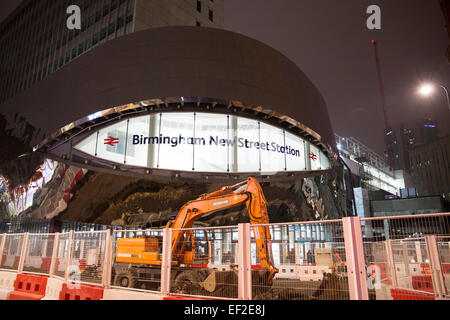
189,242
201,245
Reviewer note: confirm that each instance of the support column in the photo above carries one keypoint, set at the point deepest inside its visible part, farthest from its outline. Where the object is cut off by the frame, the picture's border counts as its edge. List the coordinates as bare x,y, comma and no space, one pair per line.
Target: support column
405,258
54,254
166,261
69,256
244,262
391,263
386,228
2,247
354,252
107,263
437,276
418,252
23,253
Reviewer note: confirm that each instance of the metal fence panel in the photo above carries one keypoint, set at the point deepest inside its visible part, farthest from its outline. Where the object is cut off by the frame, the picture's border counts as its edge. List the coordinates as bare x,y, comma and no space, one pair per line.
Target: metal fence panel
11,251
38,254
311,262
443,244
206,263
401,227
87,256
397,257
131,266
62,254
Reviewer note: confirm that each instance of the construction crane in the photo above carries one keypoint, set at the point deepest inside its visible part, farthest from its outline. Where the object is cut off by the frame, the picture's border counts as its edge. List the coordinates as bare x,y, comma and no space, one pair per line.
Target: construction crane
388,132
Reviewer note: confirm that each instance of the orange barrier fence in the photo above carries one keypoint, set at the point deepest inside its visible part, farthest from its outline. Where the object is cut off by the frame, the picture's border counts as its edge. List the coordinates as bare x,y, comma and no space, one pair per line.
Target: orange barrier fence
401,294
422,283
28,287
80,292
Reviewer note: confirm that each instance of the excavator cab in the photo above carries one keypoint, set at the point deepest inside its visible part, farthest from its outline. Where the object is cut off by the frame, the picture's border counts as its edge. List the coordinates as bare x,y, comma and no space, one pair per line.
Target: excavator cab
196,248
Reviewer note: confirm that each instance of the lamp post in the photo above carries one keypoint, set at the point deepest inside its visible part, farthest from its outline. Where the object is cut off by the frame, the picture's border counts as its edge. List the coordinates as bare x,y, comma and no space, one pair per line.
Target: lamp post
427,89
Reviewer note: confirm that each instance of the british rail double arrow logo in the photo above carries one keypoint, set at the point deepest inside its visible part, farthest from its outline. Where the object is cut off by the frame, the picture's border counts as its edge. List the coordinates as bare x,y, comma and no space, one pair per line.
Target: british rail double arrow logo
111,141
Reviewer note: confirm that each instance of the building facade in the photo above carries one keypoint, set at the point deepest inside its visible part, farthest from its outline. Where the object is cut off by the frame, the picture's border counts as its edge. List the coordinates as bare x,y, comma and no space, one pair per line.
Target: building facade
35,41
371,168
188,105
430,168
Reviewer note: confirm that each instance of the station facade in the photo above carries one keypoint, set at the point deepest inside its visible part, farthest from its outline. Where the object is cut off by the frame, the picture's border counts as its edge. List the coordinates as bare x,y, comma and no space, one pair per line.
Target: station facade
186,103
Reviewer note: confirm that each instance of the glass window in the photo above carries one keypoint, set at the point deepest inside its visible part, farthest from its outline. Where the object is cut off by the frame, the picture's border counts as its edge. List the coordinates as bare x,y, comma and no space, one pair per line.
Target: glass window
95,39
113,4
88,43
206,142
295,155
177,131
142,152
130,15
103,33
120,22
105,10
213,130
245,155
111,142
211,15
314,157
112,28
272,148
88,145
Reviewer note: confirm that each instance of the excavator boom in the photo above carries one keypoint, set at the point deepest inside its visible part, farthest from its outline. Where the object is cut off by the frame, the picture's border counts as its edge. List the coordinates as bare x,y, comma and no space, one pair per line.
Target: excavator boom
248,192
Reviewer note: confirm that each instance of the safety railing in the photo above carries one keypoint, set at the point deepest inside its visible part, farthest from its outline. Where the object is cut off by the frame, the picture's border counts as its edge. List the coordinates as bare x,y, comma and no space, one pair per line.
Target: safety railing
131,268
39,252
205,263
308,257
11,247
87,256
405,257
60,258
443,247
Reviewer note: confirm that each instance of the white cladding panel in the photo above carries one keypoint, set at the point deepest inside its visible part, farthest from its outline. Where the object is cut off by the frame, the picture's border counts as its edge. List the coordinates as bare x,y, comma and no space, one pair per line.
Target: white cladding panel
203,142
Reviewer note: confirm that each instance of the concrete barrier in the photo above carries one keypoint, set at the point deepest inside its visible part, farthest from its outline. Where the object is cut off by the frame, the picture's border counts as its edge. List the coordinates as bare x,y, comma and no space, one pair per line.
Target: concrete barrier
28,287
123,294
7,279
310,272
54,287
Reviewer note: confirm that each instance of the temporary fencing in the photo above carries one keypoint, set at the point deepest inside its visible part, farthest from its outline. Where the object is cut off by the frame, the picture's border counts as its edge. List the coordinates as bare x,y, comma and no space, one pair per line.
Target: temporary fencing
132,268
11,249
87,256
309,259
205,262
399,253
38,253
406,257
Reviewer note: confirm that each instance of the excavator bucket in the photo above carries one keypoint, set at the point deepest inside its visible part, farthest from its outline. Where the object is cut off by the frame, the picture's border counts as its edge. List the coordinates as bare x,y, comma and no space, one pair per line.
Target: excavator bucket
220,281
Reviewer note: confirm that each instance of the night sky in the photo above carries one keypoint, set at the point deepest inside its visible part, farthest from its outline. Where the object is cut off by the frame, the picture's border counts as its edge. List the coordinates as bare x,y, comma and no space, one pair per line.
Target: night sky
329,41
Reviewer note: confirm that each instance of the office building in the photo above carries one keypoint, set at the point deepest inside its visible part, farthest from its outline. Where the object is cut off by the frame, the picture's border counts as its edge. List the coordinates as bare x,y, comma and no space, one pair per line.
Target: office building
35,41
430,168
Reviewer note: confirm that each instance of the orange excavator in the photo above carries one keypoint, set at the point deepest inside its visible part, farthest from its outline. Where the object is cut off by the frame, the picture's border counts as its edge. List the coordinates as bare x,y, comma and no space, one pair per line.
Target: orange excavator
139,259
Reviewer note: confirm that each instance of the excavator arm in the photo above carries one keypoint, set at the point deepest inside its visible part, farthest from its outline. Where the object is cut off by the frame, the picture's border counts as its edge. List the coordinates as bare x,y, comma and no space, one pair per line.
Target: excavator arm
248,192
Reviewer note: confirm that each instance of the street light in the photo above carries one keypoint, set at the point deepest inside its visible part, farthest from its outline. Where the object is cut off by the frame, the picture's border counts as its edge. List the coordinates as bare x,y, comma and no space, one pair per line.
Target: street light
428,88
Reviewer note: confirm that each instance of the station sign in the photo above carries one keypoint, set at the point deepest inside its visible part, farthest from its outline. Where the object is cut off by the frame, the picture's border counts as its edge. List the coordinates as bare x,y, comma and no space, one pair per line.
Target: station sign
204,142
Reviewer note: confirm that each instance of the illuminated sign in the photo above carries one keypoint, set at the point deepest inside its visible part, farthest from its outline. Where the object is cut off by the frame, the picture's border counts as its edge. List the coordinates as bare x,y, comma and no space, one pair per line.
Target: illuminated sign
204,142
